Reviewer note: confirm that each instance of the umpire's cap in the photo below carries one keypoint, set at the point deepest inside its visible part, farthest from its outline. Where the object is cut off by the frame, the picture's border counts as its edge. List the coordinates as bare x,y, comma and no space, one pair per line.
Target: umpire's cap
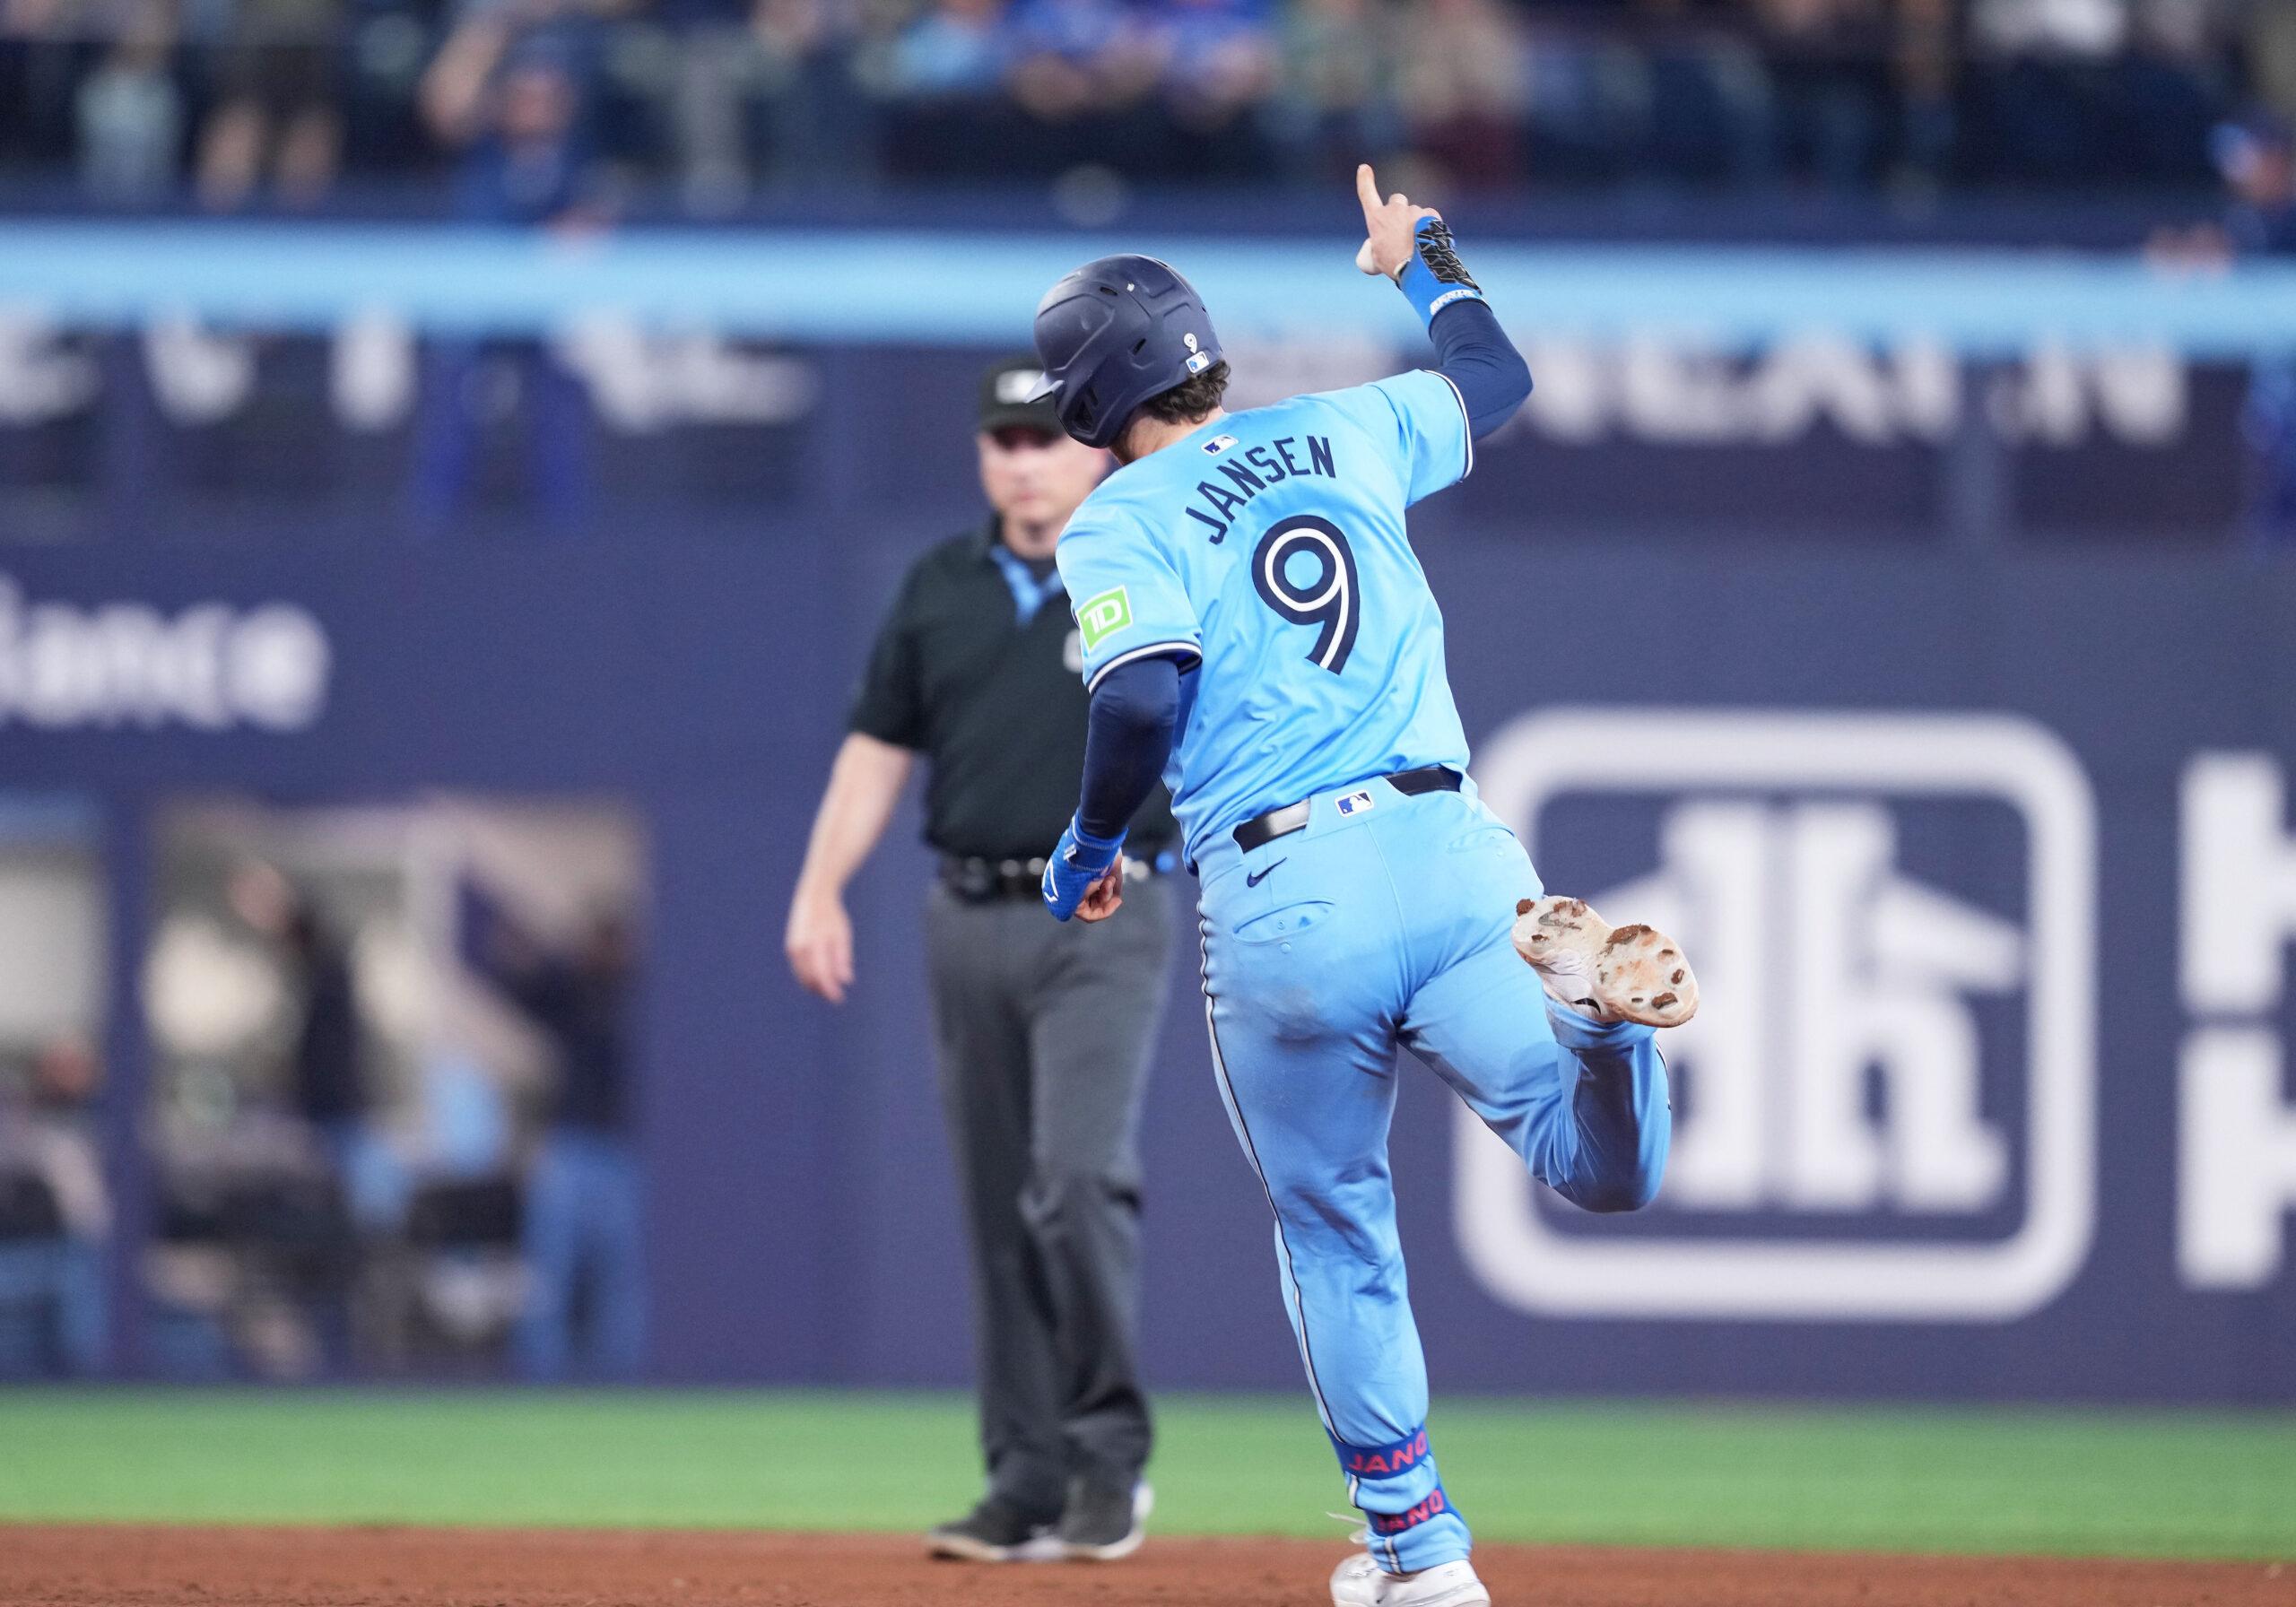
1115,332
1011,397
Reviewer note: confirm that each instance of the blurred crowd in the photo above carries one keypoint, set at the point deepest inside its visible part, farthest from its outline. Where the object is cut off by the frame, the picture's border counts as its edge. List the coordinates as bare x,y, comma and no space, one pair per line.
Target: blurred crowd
544,107
56,1213
380,1152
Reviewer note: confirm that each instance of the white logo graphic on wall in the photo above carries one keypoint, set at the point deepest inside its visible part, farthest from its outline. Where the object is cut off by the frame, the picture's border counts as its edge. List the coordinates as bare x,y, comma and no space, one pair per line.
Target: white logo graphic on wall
1829,971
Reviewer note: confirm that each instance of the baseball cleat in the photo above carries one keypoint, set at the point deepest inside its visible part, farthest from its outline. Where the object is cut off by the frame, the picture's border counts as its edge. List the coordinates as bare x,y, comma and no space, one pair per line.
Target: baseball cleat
1360,1582
1606,973
1103,1523
995,1530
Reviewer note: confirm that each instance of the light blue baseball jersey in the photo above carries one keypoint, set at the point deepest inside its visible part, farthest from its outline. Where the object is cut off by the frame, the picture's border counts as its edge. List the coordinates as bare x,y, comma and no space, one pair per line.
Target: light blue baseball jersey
1270,544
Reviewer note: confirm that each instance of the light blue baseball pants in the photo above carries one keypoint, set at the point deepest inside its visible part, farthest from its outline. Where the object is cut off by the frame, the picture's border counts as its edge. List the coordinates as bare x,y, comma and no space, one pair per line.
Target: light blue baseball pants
1323,952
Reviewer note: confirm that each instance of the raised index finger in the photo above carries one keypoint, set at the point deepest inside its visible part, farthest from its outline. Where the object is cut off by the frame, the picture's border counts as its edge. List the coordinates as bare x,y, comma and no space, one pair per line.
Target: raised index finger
1367,190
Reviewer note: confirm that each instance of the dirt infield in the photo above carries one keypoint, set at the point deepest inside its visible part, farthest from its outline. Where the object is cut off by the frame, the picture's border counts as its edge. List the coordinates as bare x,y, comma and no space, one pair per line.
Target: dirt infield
428,1568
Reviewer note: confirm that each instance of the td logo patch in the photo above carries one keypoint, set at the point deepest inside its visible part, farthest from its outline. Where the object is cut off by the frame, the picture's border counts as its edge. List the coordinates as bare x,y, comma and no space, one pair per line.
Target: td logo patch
1101,617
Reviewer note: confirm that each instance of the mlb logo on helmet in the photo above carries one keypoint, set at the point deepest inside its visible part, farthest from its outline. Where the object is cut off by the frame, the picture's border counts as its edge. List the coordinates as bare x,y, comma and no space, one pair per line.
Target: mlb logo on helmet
1198,361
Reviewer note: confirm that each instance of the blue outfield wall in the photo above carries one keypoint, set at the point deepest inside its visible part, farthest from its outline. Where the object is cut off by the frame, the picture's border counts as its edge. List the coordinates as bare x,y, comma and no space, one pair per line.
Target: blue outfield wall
1977,818
1987,862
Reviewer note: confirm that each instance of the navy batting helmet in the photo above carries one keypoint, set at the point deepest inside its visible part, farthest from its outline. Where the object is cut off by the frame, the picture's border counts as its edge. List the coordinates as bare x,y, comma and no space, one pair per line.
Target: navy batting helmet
1115,332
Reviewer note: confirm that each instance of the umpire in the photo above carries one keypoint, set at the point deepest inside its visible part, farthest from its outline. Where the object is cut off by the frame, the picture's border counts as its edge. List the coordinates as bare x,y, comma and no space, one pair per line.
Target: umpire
1044,1028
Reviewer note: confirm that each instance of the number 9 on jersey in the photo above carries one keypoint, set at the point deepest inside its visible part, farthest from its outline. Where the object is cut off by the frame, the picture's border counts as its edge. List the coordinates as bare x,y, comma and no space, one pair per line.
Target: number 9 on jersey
1316,548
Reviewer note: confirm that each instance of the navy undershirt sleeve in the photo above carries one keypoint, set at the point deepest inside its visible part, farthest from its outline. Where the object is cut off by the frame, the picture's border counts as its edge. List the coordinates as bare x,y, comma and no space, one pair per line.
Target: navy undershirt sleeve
1136,712
1474,354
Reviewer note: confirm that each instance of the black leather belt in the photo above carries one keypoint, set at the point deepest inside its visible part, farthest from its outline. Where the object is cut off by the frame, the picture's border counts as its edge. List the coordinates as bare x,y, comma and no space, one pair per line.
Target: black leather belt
982,881
1292,817
986,881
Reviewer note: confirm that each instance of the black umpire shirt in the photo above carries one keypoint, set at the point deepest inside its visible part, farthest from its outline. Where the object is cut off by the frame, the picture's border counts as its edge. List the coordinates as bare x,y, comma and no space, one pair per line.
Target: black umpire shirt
995,704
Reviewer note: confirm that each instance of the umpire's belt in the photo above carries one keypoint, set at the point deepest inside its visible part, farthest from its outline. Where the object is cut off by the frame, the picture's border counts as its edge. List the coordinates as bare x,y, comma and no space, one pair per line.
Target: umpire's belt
986,881
1293,817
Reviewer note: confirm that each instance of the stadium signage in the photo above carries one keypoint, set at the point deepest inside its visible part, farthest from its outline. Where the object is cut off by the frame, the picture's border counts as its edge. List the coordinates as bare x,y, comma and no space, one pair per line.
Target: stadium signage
1663,390
1651,386
1831,969
2235,1164
211,666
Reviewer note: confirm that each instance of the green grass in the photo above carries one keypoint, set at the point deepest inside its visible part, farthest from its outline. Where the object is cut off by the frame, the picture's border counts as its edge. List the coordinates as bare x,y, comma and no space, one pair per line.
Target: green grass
2160,1484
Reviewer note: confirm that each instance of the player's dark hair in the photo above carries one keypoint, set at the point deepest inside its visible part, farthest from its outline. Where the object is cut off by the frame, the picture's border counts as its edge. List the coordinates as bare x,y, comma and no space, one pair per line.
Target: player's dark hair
1191,399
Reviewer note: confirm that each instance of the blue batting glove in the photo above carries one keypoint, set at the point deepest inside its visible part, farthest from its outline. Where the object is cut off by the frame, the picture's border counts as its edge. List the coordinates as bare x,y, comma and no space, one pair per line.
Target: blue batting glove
1078,861
1434,277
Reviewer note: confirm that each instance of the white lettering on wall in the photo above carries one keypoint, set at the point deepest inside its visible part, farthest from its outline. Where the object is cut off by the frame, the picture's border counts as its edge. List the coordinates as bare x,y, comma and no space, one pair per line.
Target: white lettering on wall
210,666
2236,1171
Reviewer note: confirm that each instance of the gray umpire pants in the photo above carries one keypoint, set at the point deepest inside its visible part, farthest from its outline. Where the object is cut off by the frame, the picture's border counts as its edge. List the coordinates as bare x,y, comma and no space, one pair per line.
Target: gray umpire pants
1045,1030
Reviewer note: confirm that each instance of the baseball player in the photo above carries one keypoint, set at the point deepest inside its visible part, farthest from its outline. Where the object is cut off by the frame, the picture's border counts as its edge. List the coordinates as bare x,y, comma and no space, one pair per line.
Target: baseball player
1256,630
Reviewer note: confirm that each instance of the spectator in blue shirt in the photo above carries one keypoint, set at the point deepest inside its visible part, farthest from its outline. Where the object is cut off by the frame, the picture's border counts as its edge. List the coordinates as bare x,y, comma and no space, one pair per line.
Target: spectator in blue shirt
2258,157
1218,69
516,103
2256,154
583,1223
55,1219
942,79
1083,66
958,51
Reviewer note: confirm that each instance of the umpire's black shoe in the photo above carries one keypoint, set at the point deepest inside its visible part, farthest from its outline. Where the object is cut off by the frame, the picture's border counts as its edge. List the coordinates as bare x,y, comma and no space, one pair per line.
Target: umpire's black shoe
995,1530
1103,1522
